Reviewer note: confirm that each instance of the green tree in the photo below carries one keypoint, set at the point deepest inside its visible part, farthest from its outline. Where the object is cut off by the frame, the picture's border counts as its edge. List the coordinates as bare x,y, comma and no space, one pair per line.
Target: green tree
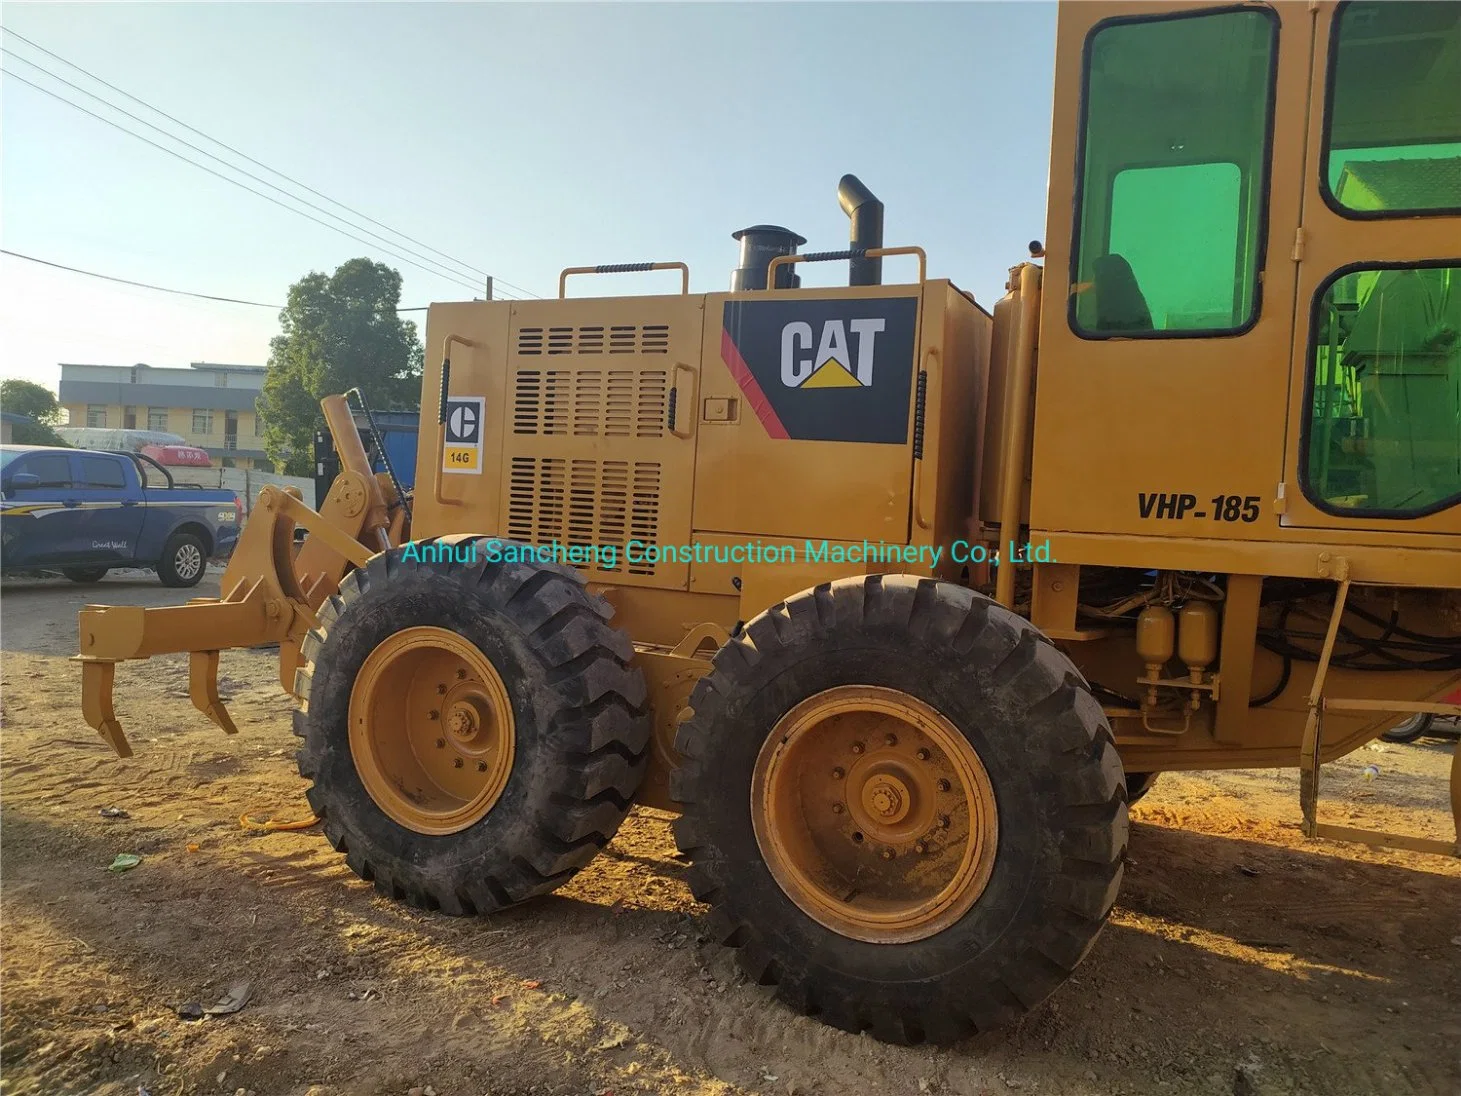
39,403
340,331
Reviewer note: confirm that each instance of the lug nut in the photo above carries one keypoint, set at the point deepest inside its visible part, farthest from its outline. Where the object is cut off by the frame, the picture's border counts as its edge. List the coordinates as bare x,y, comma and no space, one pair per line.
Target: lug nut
887,854
435,714
838,808
457,764
837,773
920,848
944,785
461,675
441,689
440,743
857,747
923,755
943,821
481,766
890,740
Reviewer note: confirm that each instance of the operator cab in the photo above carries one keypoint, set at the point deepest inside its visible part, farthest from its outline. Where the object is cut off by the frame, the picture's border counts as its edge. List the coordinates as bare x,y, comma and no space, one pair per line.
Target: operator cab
1264,234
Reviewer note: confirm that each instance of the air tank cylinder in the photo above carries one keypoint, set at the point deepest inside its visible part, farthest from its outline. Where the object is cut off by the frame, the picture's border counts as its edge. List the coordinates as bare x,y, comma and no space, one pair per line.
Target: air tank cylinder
1156,635
1197,637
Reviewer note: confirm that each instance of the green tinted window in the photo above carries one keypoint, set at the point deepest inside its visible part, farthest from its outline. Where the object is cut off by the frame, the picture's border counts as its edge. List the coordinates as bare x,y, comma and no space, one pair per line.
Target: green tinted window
1385,427
1174,167
1394,125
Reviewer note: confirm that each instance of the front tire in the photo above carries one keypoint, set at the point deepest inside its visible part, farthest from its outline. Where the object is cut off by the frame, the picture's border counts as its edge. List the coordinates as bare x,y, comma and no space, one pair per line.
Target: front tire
183,561
473,730
855,915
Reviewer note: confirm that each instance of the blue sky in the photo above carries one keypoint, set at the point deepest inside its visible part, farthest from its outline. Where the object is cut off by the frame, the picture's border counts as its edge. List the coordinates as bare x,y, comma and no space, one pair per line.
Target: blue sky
520,138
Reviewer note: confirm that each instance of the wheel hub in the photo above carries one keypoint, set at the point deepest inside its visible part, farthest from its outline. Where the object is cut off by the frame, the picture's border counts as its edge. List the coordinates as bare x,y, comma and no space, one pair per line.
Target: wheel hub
431,730
874,814
887,797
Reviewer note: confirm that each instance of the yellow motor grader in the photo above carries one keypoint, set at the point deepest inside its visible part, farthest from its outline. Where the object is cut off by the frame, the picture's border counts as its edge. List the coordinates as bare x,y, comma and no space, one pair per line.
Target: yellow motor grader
897,599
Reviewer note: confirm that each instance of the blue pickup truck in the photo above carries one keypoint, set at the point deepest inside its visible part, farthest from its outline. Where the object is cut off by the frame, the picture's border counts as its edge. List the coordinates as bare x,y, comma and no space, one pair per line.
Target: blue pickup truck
83,512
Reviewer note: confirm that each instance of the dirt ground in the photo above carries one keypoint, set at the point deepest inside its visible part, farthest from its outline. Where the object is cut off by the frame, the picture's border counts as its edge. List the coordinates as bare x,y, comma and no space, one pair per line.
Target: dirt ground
1240,959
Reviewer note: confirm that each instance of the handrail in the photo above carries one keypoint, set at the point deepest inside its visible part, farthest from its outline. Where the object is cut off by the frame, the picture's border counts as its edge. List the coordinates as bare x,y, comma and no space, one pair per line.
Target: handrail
624,268
684,405
850,253
930,357
1017,427
441,417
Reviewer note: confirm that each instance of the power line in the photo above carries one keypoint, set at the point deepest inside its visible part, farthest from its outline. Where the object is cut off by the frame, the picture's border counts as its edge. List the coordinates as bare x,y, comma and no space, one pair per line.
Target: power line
243,155
218,174
444,271
456,279
157,288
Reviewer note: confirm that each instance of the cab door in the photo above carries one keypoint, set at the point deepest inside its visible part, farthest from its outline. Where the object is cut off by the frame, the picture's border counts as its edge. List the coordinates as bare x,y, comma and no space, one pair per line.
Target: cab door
1167,313
1374,437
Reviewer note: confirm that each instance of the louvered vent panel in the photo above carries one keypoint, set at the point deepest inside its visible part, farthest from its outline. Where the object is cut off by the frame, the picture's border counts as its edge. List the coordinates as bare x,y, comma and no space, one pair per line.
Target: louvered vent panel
585,503
652,338
560,340
644,513
537,498
589,403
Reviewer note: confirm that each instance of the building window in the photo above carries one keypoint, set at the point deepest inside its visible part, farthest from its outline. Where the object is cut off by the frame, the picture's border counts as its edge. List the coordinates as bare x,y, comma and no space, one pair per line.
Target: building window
96,414
1392,137
157,418
220,379
1384,431
1173,175
202,422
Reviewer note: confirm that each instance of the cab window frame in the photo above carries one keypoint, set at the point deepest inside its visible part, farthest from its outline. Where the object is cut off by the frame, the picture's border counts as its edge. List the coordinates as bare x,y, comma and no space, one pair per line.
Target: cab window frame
1326,148
1265,166
1306,424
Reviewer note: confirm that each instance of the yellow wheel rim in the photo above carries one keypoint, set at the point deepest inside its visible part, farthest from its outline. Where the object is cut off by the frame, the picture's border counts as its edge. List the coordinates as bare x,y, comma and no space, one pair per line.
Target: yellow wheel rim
874,814
431,730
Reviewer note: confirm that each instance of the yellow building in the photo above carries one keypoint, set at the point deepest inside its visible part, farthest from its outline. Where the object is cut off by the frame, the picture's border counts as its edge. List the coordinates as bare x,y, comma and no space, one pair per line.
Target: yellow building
210,405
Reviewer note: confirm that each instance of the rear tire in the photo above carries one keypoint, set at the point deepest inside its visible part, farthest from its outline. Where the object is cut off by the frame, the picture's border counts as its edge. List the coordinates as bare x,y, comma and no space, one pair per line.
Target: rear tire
85,575
576,712
1038,734
183,561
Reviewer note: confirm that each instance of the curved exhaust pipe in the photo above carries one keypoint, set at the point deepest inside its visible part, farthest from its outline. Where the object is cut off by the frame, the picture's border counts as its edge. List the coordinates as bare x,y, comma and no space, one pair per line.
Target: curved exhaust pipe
866,231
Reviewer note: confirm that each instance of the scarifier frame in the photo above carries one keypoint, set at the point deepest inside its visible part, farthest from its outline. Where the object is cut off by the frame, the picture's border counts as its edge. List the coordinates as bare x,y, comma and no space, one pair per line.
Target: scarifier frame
270,589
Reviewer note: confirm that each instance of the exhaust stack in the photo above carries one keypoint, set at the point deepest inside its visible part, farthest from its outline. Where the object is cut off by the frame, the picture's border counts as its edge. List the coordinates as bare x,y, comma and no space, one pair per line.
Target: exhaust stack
866,232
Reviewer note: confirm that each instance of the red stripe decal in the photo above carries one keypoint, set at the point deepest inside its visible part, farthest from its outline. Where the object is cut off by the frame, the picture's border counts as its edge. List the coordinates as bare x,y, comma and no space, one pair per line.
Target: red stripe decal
750,387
